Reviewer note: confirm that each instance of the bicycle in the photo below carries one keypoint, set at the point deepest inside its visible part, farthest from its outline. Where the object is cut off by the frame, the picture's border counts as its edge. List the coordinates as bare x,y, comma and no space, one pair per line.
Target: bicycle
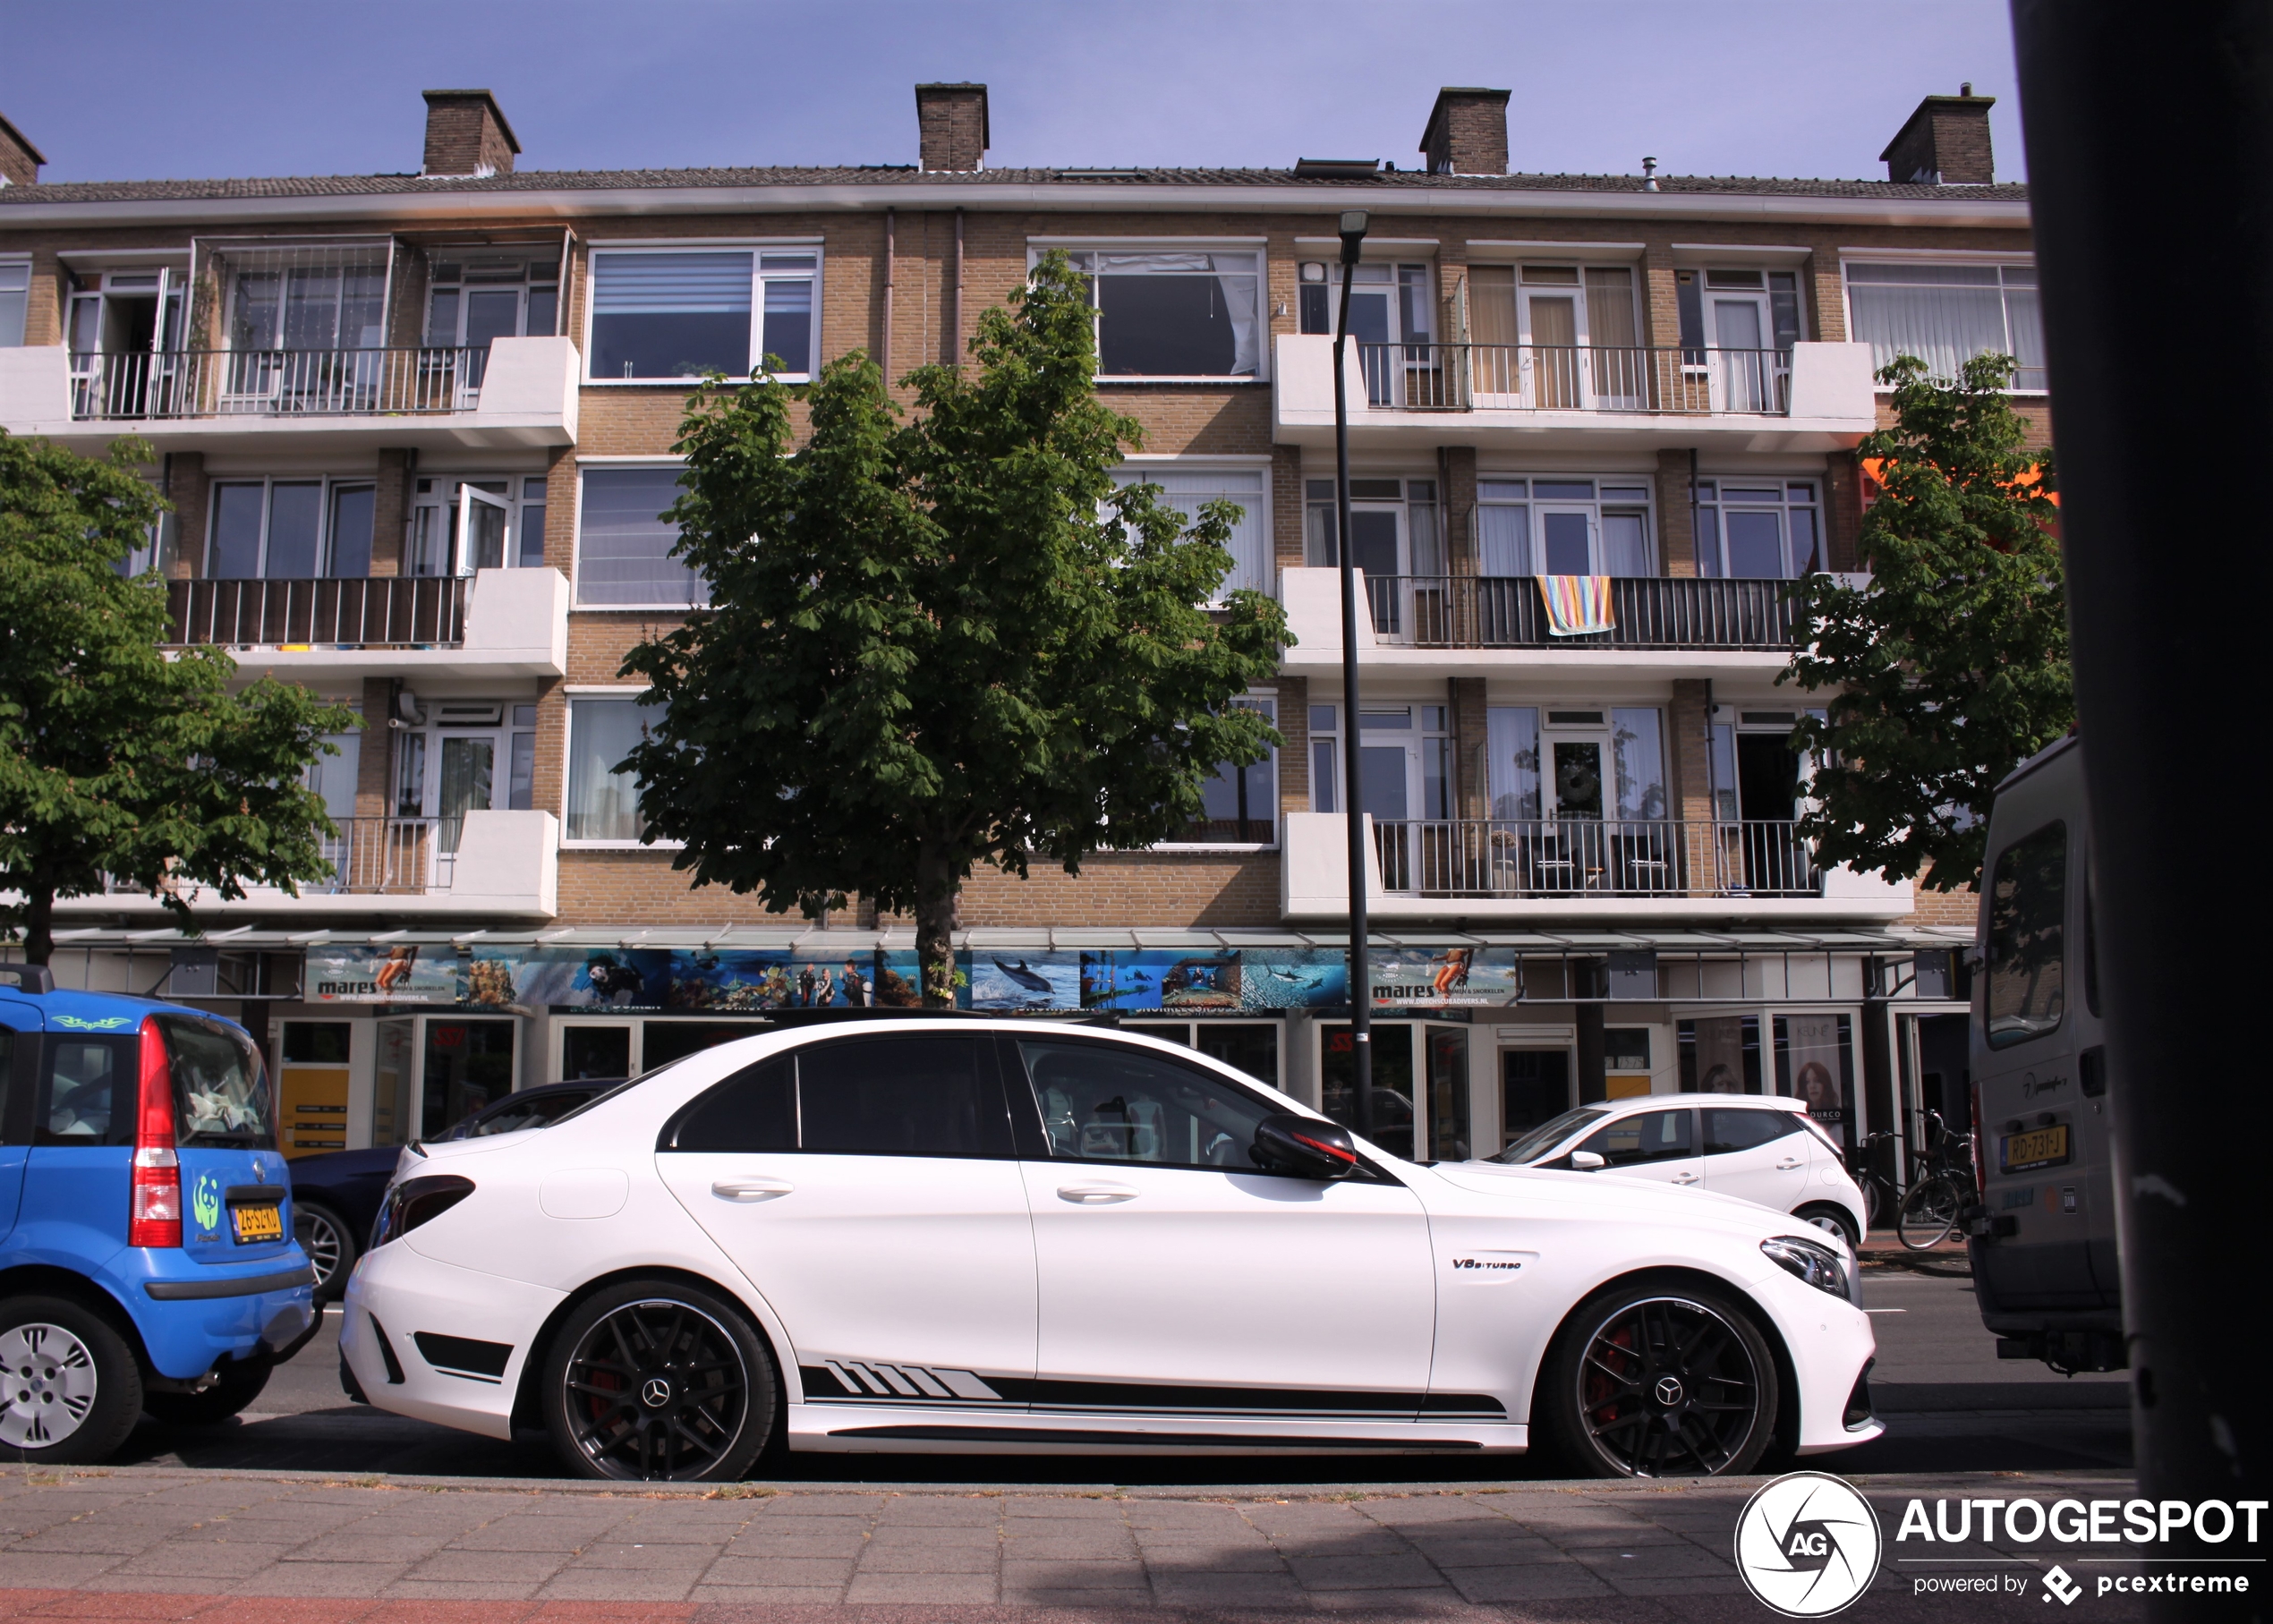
1932,1208
1879,1196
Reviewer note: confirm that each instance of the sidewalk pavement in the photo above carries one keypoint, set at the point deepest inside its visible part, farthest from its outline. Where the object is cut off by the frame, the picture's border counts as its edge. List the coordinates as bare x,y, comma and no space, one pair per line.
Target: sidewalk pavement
1883,1249
147,1543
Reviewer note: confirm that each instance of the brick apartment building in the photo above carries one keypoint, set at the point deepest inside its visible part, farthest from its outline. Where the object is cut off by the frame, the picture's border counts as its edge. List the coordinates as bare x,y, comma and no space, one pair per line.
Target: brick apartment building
415,429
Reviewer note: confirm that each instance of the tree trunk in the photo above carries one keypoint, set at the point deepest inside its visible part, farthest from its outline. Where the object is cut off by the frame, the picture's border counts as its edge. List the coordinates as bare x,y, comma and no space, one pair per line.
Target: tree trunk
38,922
935,889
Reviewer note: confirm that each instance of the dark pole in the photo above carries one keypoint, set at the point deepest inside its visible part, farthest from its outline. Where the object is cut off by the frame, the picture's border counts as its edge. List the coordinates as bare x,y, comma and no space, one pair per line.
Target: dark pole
2103,185
1361,979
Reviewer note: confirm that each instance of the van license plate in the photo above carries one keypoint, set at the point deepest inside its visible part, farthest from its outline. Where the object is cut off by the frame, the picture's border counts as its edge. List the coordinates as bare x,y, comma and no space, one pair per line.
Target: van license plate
264,1222
2042,1147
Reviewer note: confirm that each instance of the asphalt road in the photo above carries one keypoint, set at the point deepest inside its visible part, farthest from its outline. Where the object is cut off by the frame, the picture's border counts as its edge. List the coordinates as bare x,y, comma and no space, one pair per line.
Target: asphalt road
1950,1406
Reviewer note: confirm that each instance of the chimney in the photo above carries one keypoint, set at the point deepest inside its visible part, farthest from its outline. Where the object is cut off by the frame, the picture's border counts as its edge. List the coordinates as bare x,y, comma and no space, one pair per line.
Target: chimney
1468,132
952,126
19,160
1946,143
466,134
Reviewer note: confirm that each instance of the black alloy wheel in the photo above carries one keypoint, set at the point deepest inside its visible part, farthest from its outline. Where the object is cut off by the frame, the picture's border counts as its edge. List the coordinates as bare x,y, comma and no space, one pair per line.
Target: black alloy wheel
660,1381
1645,1383
323,1237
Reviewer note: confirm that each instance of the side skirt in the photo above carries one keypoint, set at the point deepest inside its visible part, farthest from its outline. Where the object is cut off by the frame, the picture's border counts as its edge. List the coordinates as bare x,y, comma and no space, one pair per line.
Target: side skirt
850,1428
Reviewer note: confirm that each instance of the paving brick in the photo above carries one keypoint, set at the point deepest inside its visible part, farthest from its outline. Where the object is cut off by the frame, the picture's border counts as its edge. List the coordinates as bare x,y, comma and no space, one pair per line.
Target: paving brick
939,1589
779,1571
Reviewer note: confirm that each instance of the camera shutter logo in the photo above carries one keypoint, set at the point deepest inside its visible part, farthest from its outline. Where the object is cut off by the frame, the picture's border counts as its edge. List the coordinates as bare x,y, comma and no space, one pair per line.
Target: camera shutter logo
1808,1544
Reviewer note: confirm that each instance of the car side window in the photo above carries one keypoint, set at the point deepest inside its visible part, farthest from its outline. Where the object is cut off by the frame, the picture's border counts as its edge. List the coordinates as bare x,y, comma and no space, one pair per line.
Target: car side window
933,1094
1650,1136
517,1114
1726,1130
755,1109
1100,1103
89,1091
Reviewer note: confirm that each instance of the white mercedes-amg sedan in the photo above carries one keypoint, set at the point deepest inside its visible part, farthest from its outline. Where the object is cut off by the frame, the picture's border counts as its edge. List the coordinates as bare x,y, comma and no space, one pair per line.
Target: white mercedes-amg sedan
1009,1235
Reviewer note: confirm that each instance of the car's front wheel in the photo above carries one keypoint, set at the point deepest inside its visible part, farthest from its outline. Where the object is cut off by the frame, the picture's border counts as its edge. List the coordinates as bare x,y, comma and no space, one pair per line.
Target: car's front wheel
1833,1220
1644,1381
659,1380
330,1245
72,1389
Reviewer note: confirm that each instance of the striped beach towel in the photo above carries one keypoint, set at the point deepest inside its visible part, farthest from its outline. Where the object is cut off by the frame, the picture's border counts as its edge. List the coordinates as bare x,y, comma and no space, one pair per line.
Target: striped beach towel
1577,604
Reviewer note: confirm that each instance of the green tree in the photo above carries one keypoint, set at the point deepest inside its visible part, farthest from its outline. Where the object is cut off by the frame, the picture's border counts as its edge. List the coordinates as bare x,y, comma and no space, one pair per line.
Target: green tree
117,757
939,643
1950,667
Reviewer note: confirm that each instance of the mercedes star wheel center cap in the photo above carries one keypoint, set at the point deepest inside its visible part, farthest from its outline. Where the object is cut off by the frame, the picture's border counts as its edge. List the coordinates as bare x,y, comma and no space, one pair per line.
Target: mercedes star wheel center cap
656,1393
1669,1391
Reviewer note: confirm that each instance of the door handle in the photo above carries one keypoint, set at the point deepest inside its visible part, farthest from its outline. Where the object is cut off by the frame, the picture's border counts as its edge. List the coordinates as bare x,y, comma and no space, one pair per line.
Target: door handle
1096,1195
751,1189
1682,1179
1787,1164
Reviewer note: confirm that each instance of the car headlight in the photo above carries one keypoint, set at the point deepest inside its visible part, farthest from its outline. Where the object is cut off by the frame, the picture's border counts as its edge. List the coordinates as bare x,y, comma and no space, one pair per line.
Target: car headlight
412,1202
1812,1262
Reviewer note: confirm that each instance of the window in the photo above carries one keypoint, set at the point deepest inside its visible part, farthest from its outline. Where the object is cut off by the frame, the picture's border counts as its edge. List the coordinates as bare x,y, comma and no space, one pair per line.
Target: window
15,301
932,1095
91,1091
1558,337
1729,1131
1176,312
1565,526
1511,761
754,1111
462,525
1393,532
1325,770
220,1088
1947,314
1388,304
2028,907
1241,804
1740,309
678,314
1759,530
474,298
1638,745
1625,1049
603,803
1101,1103
1647,1136
291,529
623,543
1184,489
335,305
1720,1054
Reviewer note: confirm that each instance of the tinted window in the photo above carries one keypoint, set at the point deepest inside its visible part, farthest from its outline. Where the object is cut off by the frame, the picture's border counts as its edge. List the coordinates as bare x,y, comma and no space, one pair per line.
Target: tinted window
1103,1103
2028,906
754,1109
1651,1136
929,1095
1728,1130
89,1093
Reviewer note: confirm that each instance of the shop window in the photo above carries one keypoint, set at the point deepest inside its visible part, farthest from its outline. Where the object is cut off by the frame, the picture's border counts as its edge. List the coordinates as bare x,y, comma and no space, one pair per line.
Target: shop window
1175,312
1815,1064
1535,1088
469,1065
1720,1054
588,1052
2027,922
663,1041
678,314
623,543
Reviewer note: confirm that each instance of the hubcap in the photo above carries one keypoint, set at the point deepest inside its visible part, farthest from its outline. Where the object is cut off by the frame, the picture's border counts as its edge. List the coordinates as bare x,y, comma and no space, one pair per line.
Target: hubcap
657,1390
50,1385
1667,1388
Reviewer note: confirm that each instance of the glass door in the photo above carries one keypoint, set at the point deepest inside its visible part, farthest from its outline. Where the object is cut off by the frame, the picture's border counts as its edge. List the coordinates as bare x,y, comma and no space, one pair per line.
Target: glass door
1392,1075
481,519
1447,1137
1571,854
1566,540
395,1082
466,1066
1377,548
1554,374
465,784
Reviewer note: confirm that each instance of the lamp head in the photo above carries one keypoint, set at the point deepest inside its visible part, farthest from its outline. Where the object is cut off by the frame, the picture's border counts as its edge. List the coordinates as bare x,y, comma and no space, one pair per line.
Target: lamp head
1353,234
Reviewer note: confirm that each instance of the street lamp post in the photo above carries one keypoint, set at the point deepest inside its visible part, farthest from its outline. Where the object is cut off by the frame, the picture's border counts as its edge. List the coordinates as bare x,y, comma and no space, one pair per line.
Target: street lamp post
1361,999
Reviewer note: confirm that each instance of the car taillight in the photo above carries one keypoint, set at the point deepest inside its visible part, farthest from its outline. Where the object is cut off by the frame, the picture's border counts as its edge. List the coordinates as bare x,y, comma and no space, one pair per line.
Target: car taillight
155,1216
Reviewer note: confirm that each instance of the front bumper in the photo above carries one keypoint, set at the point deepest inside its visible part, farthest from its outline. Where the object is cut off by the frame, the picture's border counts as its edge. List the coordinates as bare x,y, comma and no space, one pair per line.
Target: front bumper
1832,1346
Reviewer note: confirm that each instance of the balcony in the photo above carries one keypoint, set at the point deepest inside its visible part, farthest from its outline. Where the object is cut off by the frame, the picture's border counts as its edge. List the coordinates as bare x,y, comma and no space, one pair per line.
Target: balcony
1646,612
1657,870
1811,397
499,865
512,392
496,623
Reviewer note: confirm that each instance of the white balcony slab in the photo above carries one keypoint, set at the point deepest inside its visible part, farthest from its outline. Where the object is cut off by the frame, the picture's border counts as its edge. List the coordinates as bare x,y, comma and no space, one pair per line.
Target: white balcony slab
516,625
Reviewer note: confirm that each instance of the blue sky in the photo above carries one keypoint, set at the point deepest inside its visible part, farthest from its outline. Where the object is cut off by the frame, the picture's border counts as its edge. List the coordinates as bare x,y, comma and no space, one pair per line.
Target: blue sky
119,89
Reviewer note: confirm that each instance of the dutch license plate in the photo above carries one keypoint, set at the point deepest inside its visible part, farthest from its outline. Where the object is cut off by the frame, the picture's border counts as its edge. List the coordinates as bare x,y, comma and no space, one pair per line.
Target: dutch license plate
265,1222
2042,1147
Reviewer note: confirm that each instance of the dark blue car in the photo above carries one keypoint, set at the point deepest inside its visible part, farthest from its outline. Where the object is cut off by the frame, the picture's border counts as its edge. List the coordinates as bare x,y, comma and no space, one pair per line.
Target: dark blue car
146,1258
335,1194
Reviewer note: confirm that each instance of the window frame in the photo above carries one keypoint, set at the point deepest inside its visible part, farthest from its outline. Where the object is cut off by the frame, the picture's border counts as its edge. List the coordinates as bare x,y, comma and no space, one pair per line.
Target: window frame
1266,700
1597,507
576,537
589,693
531,283
1976,258
1711,497
328,485
1145,464
1259,247
517,501
986,1047
756,248
10,263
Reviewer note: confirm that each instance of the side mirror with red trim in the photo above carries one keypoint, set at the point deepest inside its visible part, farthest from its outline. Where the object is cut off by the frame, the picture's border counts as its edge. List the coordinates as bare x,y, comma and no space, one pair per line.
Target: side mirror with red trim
1304,1147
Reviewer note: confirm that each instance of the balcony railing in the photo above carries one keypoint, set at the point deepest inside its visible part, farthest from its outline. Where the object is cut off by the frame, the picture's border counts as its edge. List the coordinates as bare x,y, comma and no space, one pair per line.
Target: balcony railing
144,384
1570,378
378,855
1646,612
1585,857
400,611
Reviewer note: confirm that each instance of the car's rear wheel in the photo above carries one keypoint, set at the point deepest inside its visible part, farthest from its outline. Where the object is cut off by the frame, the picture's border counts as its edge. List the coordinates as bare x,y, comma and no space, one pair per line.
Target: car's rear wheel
659,1380
1836,1220
239,1386
1648,1382
73,1390
330,1245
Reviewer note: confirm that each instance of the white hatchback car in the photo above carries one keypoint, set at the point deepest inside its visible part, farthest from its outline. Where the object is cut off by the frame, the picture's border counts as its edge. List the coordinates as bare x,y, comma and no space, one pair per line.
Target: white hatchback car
1006,1235
1755,1147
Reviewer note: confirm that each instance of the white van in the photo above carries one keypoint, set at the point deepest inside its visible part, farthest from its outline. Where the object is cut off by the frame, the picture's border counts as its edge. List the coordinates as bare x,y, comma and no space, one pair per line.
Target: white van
2043,1238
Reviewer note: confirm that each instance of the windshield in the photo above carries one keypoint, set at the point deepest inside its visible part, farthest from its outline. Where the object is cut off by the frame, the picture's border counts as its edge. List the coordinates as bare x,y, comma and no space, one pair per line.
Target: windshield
1548,1134
220,1089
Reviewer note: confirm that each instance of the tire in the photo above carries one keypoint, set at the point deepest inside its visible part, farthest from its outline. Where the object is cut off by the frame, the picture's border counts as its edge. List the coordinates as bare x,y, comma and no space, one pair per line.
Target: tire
1874,1203
238,1387
72,1388
330,1245
618,1396
1656,1380
1829,1215
1928,1214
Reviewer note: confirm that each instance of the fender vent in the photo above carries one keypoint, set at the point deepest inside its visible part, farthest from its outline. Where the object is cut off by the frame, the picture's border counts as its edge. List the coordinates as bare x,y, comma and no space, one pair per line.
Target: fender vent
476,1361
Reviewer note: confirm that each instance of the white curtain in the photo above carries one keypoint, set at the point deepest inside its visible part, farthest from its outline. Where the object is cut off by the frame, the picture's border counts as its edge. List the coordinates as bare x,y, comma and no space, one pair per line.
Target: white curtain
1184,489
1625,545
1512,773
1505,531
603,804
1943,314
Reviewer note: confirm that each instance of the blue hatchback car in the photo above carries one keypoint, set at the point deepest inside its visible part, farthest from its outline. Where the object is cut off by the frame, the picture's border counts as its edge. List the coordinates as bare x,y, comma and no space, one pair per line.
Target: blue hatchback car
146,1258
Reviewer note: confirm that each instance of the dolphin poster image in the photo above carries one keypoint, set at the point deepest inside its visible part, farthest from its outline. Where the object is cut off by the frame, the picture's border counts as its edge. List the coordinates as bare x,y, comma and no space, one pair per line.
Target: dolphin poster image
1021,980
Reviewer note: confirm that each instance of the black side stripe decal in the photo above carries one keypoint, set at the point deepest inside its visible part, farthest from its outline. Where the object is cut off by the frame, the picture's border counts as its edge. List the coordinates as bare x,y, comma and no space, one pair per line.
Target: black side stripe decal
874,1382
